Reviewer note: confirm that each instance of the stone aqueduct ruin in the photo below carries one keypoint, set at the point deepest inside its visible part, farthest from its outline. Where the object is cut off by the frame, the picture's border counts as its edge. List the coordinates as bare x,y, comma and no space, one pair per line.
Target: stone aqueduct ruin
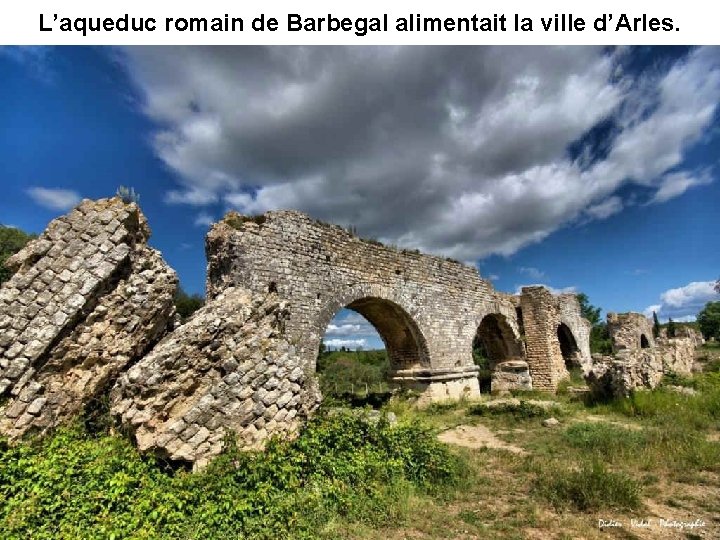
88,315
426,309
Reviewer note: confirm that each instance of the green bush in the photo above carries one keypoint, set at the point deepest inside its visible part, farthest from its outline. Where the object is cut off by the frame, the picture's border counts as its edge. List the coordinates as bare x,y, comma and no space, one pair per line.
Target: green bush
186,304
74,485
589,488
670,378
12,240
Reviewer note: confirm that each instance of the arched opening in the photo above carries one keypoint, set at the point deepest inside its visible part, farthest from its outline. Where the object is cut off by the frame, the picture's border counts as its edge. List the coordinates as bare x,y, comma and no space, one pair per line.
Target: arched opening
364,343
568,348
644,343
494,344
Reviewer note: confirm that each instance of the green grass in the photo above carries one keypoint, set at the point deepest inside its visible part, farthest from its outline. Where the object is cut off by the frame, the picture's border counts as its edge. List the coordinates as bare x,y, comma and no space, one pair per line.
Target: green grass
604,439
590,487
346,478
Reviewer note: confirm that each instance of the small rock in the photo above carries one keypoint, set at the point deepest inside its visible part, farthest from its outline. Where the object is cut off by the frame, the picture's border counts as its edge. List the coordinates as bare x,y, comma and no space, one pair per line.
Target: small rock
683,390
551,422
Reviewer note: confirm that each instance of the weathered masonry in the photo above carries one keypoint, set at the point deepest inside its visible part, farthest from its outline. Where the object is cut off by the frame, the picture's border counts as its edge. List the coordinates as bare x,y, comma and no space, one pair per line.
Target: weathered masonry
428,310
639,359
88,317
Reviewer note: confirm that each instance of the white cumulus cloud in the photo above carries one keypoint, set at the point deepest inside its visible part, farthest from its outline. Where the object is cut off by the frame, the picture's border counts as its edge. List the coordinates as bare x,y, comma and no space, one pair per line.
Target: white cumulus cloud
531,272
54,198
684,303
347,343
203,219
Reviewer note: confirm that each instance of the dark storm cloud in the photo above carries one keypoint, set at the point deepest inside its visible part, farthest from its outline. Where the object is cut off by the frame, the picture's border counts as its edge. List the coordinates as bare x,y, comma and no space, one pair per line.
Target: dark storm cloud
462,151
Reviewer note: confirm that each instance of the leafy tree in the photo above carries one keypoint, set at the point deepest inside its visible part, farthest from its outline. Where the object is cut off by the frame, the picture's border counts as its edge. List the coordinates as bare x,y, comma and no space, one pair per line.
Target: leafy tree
671,328
709,320
590,312
656,326
342,372
599,334
12,240
600,339
186,304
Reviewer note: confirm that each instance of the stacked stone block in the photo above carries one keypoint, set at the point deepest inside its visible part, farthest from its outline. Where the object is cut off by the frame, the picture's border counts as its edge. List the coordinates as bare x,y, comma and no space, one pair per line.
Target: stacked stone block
228,371
88,297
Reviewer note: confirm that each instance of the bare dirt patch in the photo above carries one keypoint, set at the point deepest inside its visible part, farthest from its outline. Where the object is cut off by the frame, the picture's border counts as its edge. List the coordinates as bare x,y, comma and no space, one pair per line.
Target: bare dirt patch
477,437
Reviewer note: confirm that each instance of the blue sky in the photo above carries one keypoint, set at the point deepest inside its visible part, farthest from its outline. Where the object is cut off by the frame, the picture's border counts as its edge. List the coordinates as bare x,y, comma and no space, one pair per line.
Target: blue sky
584,169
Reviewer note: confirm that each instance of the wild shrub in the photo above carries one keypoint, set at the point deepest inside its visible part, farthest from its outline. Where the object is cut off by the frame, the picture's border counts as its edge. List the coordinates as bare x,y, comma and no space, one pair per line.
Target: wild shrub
671,378
588,488
12,240
675,426
345,373
664,407
77,485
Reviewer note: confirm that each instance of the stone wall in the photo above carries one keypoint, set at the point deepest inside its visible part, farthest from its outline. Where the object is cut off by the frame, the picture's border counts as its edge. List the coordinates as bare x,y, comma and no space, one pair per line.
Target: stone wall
625,372
427,309
557,336
89,311
685,331
677,354
631,331
88,298
638,360
229,370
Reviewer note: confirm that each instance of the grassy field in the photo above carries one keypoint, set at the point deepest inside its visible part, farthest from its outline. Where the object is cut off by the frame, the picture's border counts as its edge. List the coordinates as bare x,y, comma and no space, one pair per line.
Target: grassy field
503,475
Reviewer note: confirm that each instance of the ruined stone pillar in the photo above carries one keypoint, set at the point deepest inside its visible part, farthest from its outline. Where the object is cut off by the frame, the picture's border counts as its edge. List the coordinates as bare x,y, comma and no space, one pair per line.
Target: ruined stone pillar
541,320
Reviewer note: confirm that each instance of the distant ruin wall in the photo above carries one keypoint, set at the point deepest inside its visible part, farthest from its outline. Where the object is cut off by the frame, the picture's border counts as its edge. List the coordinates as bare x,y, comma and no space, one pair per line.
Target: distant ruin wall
638,360
631,331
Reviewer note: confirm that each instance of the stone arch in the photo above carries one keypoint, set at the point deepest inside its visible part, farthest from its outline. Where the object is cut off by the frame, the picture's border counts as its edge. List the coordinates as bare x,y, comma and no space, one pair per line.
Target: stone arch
498,341
568,347
498,338
644,343
398,328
